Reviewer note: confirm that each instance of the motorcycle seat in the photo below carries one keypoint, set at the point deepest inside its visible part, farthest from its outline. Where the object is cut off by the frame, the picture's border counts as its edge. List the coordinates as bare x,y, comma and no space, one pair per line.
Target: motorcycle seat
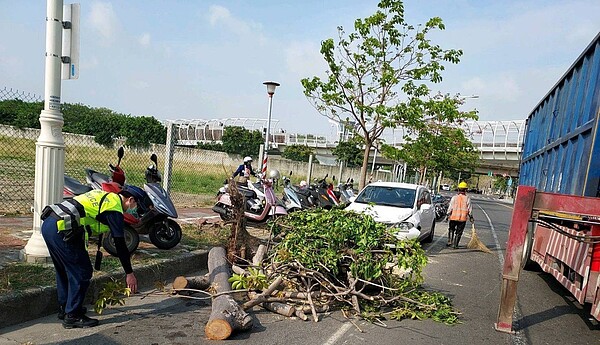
247,193
75,186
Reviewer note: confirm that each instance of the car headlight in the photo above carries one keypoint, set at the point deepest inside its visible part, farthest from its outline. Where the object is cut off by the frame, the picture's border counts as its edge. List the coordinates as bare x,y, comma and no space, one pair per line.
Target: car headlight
405,231
402,226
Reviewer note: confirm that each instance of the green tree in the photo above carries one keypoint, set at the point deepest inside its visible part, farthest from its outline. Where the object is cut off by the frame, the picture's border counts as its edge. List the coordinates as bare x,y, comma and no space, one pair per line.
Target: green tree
349,152
212,146
377,74
20,114
300,153
239,140
436,147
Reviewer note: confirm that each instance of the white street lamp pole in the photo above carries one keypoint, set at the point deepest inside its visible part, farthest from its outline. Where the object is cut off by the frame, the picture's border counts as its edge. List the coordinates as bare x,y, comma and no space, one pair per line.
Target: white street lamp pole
50,146
271,85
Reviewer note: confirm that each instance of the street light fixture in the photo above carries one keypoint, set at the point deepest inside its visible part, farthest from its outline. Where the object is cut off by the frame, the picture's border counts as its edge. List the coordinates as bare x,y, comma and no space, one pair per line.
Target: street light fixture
271,85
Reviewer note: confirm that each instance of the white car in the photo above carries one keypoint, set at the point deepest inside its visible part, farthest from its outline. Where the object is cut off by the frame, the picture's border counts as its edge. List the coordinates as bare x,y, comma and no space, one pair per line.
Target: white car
445,187
405,207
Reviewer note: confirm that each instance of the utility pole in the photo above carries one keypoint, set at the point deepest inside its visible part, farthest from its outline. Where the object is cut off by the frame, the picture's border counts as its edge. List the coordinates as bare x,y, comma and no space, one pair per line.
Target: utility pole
50,146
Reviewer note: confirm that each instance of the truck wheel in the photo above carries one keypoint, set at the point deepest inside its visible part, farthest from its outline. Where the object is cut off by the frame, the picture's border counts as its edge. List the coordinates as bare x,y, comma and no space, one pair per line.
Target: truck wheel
526,262
132,240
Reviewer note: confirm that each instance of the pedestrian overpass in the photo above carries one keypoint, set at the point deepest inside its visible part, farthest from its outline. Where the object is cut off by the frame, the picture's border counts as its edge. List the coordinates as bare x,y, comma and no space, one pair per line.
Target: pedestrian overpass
499,142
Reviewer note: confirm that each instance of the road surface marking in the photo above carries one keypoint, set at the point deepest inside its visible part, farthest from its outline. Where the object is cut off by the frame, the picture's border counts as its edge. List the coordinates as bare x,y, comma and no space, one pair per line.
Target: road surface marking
518,337
338,334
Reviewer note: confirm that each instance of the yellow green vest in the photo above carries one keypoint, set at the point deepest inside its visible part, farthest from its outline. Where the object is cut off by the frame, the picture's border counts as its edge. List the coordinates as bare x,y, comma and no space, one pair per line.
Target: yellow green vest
94,202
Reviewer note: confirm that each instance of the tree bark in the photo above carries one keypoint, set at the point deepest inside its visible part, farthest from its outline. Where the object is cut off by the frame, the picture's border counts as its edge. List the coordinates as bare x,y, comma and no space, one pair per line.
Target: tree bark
259,256
226,316
195,282
365,165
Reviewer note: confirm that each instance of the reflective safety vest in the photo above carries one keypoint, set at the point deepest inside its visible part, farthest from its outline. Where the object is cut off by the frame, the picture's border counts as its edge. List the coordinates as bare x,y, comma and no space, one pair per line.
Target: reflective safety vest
460,209
83,210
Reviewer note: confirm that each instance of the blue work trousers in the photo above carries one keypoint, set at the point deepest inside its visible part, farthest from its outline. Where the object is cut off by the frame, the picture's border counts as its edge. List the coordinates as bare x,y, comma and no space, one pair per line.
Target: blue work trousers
72,264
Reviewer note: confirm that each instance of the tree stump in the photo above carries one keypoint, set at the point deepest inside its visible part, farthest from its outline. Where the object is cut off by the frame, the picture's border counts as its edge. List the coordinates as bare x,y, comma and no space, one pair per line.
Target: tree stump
226,316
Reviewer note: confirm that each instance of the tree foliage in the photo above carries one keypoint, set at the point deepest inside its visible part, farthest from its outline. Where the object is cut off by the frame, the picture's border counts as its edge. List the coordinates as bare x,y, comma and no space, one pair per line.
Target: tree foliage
239,140
103,123
342,258
349,152
212,146
436,147
300,153
378,73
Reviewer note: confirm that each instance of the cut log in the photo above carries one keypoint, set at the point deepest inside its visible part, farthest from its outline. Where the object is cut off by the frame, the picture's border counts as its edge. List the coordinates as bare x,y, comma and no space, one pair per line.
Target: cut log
260,255
195,282
226,316
300,314
280,308
238,270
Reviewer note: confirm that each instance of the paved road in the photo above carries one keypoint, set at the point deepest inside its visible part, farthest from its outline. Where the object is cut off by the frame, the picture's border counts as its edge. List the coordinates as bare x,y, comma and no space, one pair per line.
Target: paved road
545,313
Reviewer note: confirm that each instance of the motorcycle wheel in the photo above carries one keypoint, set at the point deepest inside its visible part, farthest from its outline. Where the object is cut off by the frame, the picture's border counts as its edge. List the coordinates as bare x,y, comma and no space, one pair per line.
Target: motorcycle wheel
132,240
165,235
228,215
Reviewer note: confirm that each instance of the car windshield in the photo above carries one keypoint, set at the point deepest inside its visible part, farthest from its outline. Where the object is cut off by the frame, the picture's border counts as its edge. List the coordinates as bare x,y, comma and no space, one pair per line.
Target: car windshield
387,196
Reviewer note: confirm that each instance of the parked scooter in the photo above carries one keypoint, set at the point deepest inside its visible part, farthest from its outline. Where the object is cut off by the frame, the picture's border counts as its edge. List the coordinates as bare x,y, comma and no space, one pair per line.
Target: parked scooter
256,212
157,221
324,193
290,197
153,212
440,205
73,187
346,191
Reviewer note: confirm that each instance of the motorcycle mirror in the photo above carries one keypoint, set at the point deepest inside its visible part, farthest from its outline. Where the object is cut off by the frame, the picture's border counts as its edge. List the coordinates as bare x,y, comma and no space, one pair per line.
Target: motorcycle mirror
154,159
290,173
120,154
326,175
333,178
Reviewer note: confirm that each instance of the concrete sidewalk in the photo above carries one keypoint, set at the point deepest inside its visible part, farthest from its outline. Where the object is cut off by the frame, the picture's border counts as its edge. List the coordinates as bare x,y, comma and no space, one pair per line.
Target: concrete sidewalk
16,308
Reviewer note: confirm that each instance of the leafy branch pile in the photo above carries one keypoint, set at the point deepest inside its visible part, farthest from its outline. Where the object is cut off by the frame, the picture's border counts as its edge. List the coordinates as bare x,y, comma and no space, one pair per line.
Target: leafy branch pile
340,259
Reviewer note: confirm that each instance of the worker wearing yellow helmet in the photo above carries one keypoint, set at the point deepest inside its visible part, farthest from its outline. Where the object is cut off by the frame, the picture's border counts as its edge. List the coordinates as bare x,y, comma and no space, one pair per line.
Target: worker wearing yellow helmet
458,212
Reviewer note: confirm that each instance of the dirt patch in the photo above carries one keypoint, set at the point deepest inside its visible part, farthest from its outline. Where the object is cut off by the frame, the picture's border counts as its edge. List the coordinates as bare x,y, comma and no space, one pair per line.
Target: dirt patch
8,241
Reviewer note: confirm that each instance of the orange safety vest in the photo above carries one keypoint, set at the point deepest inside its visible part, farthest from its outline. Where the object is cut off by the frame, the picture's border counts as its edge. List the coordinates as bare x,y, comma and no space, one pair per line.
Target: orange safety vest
460,211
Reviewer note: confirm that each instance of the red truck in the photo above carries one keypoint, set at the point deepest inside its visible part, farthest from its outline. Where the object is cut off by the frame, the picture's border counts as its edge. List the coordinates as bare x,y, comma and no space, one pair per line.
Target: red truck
556,218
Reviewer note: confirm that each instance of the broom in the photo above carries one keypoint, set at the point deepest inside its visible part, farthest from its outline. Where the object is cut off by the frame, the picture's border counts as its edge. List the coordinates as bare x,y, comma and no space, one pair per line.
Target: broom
475,243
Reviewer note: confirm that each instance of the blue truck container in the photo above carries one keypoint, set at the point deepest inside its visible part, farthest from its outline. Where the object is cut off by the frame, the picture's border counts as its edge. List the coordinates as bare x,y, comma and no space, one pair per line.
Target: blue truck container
561,149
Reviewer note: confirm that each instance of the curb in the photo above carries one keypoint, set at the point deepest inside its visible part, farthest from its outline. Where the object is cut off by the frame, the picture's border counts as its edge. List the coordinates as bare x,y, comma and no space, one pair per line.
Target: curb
31,304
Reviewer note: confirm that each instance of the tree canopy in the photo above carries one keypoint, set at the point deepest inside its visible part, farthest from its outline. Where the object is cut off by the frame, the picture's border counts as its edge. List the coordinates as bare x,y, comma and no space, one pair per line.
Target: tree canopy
349,152
300,153
239,140
103,123
378,75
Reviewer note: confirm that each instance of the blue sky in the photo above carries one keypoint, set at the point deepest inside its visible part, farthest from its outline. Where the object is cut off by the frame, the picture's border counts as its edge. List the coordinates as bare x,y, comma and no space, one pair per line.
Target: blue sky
208,59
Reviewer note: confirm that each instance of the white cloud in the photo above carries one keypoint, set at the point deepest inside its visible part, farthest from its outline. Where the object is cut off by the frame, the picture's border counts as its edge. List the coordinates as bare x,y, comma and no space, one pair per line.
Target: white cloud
219,16
303,59
145,39
104,21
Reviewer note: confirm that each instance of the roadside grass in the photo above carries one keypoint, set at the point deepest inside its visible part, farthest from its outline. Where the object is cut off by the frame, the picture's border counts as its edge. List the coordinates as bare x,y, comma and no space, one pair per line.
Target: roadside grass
204,236
16,277
191,182
21,276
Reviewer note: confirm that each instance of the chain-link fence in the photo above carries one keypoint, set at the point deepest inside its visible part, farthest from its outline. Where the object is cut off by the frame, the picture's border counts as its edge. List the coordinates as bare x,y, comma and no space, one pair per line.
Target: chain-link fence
193,175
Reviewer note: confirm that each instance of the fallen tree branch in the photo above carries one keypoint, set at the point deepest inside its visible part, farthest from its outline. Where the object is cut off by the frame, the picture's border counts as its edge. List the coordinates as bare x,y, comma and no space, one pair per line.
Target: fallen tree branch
262,297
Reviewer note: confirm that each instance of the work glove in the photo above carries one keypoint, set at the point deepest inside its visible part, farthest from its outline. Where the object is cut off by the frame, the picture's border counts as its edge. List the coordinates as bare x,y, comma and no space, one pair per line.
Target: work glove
471,219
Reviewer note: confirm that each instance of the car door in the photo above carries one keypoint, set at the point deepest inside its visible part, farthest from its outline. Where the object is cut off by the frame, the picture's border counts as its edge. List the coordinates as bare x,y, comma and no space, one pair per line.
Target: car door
427,215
